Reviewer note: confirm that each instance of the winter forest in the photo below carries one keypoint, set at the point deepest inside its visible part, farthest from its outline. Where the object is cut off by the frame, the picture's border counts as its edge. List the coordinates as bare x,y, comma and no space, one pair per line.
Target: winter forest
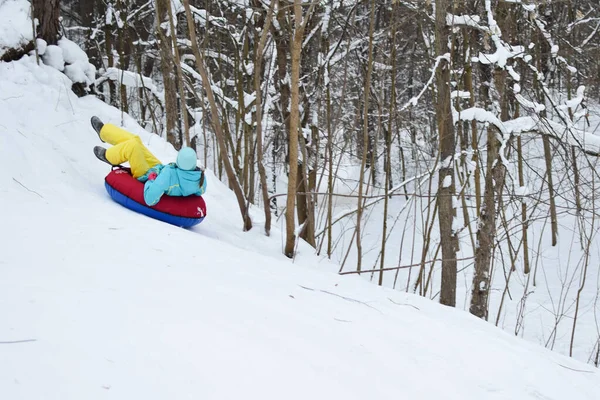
448,149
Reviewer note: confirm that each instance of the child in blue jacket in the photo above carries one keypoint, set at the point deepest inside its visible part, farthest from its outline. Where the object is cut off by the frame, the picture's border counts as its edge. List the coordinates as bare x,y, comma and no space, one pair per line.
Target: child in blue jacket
182,178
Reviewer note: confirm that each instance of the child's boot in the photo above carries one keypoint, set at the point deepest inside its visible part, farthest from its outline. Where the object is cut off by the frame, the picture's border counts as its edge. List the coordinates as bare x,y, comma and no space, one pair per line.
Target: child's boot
97,124
100,153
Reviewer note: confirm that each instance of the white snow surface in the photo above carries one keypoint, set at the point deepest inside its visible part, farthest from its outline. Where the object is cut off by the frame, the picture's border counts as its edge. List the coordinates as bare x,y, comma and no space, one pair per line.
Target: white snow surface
41,46
76,72
99,302
71,52
79,69
53,57
16,29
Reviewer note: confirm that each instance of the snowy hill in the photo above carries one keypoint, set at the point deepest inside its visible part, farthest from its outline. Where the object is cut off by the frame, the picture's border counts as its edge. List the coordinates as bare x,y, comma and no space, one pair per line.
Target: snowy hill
99,302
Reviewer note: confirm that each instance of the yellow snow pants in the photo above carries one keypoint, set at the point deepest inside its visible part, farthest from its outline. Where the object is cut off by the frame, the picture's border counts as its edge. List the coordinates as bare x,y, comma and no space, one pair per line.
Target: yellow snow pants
127,147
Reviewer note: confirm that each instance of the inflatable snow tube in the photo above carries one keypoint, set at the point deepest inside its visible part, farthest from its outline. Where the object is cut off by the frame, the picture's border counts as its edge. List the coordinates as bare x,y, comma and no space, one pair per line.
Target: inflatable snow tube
129,192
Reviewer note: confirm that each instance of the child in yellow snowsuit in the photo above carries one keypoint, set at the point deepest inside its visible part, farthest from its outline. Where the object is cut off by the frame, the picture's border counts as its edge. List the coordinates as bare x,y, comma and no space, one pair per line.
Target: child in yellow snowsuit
127,147
182,178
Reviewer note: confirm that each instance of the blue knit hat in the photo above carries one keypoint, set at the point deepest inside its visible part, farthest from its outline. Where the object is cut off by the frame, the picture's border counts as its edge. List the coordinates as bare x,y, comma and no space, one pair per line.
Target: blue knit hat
186,159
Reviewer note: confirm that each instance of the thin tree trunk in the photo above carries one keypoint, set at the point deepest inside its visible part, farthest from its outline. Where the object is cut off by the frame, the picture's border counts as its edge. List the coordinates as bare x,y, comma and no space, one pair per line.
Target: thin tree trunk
524,219
549,175
305,203
108,44
185,141
485,234
330,171
388,141
494,183
258,104
574,154
446,184
365,145
233,182
296,54
542,59
123,51
470,41
166,66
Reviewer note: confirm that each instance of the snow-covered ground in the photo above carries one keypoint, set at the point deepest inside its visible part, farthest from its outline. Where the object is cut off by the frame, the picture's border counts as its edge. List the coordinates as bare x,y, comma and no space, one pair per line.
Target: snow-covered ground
99,302
15,29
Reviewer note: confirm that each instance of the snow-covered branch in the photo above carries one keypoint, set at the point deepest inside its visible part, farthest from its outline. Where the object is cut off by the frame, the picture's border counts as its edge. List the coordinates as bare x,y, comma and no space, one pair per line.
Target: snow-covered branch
413,102
471,21
130,79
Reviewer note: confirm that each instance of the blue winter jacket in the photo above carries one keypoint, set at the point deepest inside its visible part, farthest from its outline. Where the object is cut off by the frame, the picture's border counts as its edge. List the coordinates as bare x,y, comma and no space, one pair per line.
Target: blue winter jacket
172,181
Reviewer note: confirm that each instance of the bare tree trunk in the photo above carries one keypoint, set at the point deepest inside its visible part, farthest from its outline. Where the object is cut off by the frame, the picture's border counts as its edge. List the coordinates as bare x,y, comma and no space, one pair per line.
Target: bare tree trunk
281,84
367,89
494,183
302,204
166,66
305,203
296,54
233,182
388,140
110,59
549,175
185,140
471,40
258,104
542,51
124,51
485,234
446,185
330,168
524,219
47,12
576,178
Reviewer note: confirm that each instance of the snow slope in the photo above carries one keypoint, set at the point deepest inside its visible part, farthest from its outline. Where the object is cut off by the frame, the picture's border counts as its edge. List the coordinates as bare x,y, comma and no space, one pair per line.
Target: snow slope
98,302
